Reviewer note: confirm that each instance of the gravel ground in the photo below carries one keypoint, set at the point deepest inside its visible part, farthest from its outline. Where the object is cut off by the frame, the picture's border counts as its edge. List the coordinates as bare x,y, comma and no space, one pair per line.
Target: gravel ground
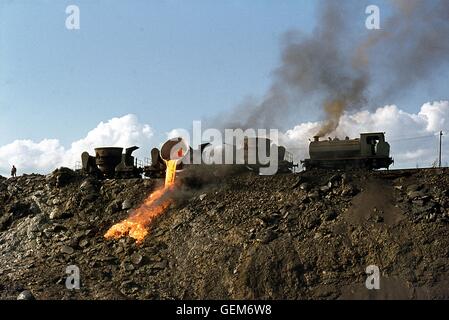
309,235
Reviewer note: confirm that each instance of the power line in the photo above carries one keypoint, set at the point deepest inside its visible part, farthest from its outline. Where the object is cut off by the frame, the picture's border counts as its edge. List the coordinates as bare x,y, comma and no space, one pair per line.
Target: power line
412,138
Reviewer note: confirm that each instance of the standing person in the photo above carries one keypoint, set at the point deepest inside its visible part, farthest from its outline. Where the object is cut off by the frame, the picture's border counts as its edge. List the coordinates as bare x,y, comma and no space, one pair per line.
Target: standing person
14,171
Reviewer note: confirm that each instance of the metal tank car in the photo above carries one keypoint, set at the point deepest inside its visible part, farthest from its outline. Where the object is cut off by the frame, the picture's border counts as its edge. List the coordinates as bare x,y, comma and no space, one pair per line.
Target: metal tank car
370,151
285,158
111,162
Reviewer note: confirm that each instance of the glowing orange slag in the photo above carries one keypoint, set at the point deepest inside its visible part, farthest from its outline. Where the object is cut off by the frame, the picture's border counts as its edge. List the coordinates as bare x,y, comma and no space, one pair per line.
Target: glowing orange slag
136,225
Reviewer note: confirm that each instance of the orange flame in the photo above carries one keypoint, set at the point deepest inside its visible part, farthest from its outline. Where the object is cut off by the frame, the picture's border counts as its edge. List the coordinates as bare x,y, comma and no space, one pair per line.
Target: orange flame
136,225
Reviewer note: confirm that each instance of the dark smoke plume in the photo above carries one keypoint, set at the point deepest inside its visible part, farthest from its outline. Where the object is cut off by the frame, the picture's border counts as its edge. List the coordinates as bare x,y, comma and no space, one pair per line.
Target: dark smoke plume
332,68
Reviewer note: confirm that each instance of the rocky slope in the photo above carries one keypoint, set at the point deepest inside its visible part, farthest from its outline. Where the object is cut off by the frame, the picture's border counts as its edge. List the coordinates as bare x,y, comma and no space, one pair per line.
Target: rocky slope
299,236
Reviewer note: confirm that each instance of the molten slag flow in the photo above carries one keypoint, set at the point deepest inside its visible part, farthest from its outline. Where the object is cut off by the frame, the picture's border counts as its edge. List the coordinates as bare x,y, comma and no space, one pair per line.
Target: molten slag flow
136,225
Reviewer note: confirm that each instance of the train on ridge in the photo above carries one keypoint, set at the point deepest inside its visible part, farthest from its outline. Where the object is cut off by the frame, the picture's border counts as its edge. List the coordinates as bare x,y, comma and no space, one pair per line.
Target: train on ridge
370,151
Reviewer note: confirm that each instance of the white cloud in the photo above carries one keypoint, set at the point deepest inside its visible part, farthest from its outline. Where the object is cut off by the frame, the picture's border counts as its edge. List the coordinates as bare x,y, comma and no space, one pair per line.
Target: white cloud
27,154
44,156
413,136
436,114
123,132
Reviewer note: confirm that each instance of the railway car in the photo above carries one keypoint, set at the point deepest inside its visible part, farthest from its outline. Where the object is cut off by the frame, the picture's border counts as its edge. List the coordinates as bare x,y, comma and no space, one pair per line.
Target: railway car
250,159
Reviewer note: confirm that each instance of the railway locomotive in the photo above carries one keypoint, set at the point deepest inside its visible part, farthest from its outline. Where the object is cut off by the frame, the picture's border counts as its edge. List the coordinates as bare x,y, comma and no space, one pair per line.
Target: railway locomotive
370,151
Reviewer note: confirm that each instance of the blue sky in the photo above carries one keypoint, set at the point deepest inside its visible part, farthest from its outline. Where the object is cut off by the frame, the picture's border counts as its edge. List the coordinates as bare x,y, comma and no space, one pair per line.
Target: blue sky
168,62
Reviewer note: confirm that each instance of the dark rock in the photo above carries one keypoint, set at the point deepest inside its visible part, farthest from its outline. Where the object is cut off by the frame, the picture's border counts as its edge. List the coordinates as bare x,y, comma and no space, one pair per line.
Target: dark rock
136,258
20,209
415,194
268,236
90,197
62,177
58,227
25,295
89,191
34,208
414,188
336,177
329,215
313,222
315,195
349,190
60,214
83,243
119,250
378,218
128,267
129,287
126,205
159,265
89,185
418,202
5,220
255,276
298,182
114,207
67,250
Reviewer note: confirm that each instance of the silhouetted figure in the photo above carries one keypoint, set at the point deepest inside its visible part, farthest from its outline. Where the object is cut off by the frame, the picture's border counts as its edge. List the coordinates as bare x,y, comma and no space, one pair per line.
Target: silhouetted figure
14,171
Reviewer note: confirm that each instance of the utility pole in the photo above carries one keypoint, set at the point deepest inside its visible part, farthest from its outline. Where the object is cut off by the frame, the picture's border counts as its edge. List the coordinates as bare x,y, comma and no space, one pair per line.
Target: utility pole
439,156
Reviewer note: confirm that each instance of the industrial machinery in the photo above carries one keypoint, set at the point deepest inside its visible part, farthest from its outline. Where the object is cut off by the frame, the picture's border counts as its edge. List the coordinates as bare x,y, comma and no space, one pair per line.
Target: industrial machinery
110,162
250,159
284,158
157,167
370,151
159,157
